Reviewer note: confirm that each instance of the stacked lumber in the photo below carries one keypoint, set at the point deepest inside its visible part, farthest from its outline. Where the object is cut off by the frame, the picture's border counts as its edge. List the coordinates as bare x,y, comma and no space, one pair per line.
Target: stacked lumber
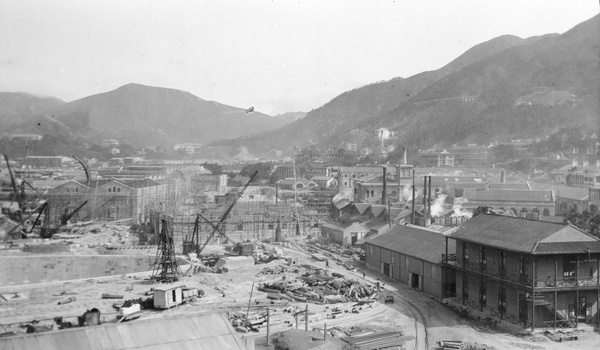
319,289
377,341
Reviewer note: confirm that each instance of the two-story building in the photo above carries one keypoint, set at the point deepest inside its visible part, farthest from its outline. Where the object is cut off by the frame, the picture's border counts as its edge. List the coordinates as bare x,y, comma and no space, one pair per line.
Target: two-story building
533,273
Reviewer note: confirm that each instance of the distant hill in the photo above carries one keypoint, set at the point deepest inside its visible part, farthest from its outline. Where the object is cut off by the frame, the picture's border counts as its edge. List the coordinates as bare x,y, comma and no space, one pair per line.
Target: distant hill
291,116
144,115
16,106
473,98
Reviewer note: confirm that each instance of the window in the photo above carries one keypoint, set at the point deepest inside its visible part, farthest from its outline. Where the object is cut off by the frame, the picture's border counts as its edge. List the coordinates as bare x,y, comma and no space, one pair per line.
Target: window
569,266
119,189
109,189
482,257
523,266
502,299
482,293
502,261
433,271
76,189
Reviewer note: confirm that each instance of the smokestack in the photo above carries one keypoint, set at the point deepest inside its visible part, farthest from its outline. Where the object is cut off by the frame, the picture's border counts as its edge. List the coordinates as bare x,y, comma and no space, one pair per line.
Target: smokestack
398,179
429,200
503,176
413,196
383,191
425,196
404,159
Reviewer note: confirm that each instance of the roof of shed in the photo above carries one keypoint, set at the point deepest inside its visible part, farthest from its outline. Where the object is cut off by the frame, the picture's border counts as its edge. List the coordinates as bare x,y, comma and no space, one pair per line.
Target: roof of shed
422,244
213,331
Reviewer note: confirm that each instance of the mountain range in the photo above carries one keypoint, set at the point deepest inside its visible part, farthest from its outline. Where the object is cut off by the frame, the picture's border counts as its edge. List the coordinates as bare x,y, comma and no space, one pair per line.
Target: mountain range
472,99
139,115
502,89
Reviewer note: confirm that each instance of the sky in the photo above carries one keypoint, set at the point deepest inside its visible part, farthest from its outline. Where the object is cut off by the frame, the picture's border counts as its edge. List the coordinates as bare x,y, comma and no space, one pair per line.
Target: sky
280,56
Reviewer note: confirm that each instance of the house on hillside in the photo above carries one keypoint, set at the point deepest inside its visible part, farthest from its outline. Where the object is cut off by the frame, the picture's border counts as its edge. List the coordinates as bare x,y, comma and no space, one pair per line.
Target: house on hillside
532,273
412,256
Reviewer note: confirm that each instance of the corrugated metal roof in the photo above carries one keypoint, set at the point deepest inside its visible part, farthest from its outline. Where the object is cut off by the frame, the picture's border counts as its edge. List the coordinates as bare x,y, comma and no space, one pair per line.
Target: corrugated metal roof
361,207
510,186
509,195
208,331
418,243
567,248
342,203
377,209
516,234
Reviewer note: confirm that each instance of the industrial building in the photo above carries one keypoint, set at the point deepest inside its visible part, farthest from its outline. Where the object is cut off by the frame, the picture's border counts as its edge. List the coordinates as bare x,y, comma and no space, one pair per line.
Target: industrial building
413,256
532,273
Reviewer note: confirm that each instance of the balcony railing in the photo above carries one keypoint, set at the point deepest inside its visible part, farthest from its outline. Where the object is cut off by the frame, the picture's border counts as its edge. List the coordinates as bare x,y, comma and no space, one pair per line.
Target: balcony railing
488,270
592,281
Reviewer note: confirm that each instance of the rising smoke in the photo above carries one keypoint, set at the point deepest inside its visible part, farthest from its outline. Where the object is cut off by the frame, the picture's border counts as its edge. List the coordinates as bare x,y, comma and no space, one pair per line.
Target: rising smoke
346,193
459,210
437,208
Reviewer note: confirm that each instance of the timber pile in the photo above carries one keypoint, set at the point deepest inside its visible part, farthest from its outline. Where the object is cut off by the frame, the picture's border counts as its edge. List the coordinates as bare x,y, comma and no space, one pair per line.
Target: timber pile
377,341
319,289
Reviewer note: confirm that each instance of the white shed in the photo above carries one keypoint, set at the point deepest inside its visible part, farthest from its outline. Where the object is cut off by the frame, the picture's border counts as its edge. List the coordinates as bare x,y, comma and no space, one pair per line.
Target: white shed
167,297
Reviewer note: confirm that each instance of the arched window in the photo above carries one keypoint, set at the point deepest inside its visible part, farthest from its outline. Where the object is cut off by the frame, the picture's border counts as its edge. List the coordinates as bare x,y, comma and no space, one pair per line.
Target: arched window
119,189
76,189
372,193
109,189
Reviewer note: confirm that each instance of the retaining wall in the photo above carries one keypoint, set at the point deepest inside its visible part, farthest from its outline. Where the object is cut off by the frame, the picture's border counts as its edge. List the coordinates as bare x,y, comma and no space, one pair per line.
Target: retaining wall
17,270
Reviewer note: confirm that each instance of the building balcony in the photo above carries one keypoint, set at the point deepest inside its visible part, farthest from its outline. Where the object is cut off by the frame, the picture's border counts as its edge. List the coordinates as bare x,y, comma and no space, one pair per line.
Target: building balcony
483,269
568,282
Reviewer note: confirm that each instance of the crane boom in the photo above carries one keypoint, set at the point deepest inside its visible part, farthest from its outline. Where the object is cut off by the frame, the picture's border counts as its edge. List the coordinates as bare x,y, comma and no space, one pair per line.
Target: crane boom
85,167
217,227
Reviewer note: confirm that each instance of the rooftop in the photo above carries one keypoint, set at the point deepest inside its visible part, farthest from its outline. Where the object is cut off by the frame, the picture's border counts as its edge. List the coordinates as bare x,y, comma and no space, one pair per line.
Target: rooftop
524,235
422,244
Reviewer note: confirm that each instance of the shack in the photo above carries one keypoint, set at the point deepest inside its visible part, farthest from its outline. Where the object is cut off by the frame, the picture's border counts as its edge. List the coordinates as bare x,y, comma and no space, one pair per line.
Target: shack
167,297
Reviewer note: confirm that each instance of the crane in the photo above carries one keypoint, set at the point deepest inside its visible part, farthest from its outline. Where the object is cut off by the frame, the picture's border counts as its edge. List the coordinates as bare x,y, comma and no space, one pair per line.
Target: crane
85,167
221,222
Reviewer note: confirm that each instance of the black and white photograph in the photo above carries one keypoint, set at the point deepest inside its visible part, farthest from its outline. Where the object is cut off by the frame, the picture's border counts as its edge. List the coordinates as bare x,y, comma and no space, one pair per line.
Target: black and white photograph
300,174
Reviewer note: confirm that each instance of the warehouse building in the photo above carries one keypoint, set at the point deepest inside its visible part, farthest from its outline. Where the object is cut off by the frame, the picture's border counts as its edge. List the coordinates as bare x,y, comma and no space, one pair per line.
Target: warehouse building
412,256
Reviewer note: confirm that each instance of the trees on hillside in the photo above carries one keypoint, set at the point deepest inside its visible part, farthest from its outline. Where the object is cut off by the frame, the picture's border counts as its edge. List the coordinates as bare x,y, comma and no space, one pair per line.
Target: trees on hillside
585,221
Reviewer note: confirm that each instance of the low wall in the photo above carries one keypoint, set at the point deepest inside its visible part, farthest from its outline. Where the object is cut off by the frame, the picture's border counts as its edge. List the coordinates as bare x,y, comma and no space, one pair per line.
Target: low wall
17,270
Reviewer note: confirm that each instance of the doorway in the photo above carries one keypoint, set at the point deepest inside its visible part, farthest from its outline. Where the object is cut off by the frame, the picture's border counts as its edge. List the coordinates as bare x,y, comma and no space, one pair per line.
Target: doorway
414,281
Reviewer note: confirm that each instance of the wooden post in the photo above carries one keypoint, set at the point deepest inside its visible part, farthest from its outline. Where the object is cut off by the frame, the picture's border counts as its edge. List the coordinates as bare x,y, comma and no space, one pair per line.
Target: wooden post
413,196
325,332
533,296
249,300
296,317
577,292
268,325
306,318
555,297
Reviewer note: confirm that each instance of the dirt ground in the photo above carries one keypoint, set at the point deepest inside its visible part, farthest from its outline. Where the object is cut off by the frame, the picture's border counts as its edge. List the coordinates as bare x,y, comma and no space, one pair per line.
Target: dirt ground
230,292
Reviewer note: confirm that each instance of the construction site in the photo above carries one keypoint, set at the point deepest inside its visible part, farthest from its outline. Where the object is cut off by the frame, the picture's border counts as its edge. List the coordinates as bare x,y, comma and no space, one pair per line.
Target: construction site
137,263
